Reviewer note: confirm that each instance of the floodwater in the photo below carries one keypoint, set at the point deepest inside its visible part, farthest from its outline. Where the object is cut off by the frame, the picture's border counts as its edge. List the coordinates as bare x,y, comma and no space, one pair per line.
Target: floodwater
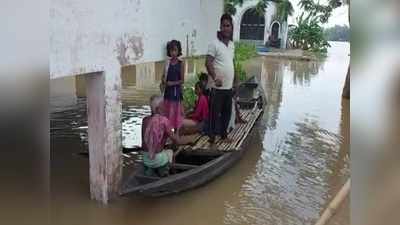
297,158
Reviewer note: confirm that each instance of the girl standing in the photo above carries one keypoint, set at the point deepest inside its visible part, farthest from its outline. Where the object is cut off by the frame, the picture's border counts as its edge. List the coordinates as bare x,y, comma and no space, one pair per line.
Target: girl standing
173,80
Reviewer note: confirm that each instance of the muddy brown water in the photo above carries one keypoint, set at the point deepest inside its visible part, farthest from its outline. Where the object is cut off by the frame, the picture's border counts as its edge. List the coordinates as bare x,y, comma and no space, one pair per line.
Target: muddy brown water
297,158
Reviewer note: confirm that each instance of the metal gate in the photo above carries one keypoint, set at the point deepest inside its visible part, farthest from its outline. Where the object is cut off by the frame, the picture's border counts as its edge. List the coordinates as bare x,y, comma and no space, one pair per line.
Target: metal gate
252,26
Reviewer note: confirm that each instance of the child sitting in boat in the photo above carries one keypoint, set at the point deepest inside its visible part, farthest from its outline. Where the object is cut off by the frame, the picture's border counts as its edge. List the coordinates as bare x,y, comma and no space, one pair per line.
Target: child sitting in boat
203,78
197,121
156,129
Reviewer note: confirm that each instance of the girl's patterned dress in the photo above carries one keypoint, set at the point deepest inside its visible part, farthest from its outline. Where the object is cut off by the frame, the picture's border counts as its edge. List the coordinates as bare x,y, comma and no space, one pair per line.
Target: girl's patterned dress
173,96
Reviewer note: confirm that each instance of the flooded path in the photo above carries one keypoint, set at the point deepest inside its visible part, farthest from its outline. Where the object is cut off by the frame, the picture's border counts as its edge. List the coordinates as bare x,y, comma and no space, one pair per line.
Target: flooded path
298,155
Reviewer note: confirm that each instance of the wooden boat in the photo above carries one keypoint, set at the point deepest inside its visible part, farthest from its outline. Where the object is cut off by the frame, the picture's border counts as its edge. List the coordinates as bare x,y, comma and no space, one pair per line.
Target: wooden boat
197,164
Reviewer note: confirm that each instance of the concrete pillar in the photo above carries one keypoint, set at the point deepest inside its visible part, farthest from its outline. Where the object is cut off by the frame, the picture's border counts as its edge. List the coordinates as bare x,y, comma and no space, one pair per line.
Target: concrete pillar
104,121
284,30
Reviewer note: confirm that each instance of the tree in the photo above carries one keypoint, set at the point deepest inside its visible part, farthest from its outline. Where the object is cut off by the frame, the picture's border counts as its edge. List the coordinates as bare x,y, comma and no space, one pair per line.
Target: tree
338,33
318,10
230,6
308,33
284,10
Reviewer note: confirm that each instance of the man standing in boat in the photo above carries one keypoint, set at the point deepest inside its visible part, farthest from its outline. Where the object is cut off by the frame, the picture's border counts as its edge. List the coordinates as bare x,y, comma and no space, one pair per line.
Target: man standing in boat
220,67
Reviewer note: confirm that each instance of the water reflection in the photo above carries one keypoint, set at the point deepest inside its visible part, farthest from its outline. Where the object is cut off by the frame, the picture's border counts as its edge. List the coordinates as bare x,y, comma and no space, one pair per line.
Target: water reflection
290,180
304,71
272,81
131,125
306,144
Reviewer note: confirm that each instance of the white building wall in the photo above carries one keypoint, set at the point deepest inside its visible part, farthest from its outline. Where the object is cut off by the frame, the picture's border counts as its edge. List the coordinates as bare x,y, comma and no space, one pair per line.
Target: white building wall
91,35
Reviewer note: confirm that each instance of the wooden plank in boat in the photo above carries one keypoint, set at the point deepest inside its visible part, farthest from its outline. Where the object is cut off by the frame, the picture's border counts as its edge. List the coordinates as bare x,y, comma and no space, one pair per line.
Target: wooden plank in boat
242,131
257,114
147,179
184,166
238,134
204,152
234,135
238,131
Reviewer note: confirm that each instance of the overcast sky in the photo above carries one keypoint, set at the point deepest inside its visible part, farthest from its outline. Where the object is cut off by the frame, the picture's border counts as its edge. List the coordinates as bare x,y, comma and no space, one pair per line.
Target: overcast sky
339,15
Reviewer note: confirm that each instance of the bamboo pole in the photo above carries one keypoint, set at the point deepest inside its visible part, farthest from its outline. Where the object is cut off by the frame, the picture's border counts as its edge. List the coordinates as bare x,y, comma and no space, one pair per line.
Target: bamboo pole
334,205
346,88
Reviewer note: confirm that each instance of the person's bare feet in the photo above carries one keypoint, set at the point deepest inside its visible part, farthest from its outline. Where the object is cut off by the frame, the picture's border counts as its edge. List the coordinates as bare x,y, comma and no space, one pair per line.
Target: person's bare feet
240,120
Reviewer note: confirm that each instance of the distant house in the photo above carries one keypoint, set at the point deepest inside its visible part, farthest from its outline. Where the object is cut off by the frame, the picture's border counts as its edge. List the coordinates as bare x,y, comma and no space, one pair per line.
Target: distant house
265,29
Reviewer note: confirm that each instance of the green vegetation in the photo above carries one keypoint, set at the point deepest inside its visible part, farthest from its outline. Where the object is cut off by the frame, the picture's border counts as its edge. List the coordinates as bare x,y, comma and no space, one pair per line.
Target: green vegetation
243,52
189,96
338,33
308,33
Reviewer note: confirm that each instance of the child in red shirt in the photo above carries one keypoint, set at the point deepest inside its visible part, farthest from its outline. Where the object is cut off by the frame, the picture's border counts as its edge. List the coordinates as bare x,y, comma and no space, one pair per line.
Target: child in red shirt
197,120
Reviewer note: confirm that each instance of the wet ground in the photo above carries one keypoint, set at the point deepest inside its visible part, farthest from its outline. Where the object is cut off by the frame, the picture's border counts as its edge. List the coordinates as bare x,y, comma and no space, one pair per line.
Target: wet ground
297,158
